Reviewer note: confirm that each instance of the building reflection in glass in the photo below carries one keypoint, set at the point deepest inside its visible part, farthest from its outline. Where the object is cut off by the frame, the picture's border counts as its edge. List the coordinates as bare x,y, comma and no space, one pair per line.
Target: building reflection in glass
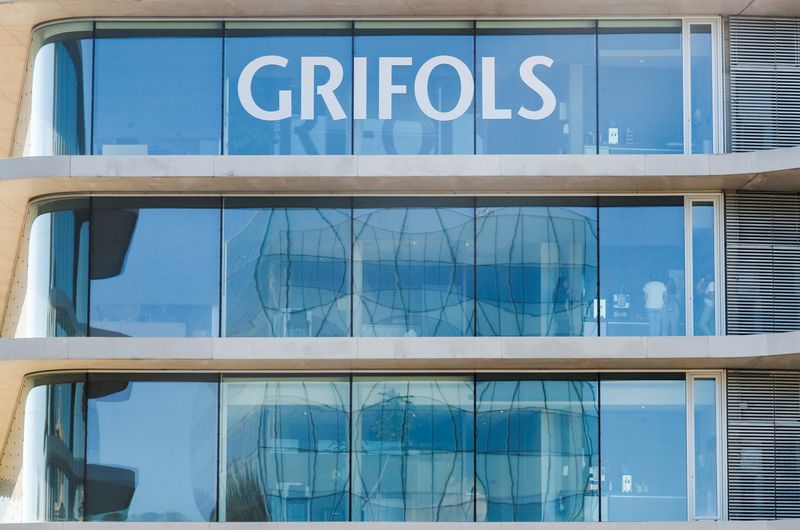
413,449
285,452
537,450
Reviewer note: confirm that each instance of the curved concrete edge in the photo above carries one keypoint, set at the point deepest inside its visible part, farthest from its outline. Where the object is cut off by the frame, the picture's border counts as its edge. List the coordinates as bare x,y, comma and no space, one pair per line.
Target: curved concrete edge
772,169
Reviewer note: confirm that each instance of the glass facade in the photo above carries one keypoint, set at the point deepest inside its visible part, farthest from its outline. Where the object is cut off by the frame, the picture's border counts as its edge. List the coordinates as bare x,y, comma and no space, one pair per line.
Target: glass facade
544,447
643,441
155,267
537,450
54,449
371,267
536,267
285,453
151,449
642,267
504,46
413,449
412,268
287,268
157,88
369,87
639,63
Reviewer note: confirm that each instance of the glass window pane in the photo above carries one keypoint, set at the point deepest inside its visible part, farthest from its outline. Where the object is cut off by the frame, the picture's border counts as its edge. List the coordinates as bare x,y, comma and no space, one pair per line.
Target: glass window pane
642,268
157,92
281,129
704,268
286,450
705,449
57,287
643,444
152,451
413,449
155,268
537,270
571,125
413,271
55,110
702,88
287,269
537,451
54,451
399,125
640,74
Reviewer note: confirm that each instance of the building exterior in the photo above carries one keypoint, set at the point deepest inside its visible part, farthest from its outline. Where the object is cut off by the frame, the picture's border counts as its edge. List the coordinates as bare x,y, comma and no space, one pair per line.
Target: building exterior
395,263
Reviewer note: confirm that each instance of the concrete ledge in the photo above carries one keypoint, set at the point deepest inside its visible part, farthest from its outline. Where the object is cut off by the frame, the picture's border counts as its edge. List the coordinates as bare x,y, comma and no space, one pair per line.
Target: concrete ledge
787,524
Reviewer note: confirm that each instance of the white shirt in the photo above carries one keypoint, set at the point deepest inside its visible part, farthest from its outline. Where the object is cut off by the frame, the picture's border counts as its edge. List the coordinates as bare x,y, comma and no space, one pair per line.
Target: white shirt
654,294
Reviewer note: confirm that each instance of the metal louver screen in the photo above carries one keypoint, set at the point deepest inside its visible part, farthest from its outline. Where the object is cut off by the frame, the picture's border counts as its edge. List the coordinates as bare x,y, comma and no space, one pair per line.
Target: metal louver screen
762,262
764,83
763,445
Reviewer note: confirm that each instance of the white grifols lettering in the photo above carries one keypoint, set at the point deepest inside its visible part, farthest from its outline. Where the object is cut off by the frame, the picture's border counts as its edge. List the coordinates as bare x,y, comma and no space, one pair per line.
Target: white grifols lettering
488,109
386,88
530,79
325,90
359,88
284,109
466,90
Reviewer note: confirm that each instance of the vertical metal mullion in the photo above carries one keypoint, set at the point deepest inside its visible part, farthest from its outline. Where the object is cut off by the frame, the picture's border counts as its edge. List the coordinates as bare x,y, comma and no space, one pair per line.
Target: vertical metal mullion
474,446
222,107
350,452
686,63
597,111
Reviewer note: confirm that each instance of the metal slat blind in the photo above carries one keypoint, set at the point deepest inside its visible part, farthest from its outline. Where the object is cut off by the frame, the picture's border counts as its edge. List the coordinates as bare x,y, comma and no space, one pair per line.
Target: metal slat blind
763,445
764,83
762,262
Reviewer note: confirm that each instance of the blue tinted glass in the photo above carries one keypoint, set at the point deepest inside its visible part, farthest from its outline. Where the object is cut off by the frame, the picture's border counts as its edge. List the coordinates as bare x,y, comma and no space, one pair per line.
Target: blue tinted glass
286,450
702,89
326,131
537,451
54,452
537,270
413,449
157,95
643,443
703,268
705,449
58,102
57,270
407,129
642,268
155,271
287,272
640,87
413,271
570,125
152,451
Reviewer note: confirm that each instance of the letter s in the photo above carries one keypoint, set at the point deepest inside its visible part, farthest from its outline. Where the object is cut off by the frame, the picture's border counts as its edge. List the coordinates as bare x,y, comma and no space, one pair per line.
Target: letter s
530,79
284,109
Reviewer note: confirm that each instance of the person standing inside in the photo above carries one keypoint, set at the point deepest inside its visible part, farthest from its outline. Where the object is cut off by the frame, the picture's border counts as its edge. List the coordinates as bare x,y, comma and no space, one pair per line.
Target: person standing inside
654,296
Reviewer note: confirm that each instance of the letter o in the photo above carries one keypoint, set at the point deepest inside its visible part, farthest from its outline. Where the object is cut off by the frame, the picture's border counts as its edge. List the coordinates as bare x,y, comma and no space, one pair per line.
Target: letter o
464,77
